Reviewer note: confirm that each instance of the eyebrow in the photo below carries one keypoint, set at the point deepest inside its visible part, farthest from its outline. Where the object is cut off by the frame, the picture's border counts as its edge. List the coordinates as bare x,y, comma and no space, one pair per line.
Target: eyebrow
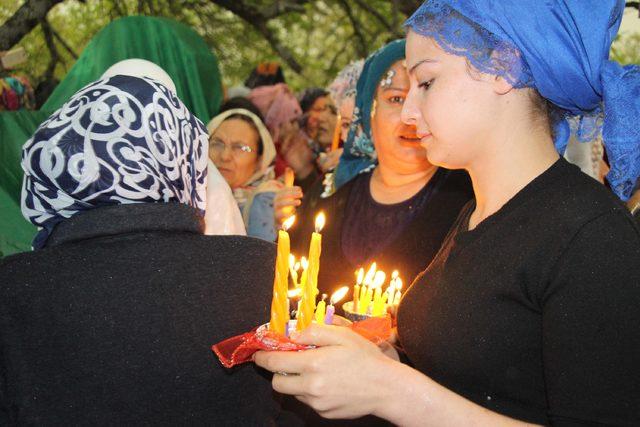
419,63
399,89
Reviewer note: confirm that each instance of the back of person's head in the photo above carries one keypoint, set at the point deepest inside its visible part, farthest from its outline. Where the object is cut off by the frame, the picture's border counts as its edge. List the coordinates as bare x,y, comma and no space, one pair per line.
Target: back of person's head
240,102
119,140
265,74
310,96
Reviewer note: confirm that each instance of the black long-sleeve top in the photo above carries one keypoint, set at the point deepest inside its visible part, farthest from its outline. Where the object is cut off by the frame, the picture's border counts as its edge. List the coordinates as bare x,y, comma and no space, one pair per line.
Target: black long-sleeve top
535,313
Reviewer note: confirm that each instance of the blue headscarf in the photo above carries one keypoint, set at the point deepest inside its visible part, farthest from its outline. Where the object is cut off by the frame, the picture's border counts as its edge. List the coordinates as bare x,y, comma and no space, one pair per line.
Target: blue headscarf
560,48
118,140
359,154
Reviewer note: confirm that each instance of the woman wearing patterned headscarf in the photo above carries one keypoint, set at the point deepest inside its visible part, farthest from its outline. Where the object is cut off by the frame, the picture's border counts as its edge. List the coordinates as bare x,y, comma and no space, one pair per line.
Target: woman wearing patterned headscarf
110,319
529,312
383,182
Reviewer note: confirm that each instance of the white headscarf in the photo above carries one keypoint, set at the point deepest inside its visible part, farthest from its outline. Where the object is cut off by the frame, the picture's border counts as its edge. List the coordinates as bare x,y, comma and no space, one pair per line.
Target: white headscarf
259,181
222,216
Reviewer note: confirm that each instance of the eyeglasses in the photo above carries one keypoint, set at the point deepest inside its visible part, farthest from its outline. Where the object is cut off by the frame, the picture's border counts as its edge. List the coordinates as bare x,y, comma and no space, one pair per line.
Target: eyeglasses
236,148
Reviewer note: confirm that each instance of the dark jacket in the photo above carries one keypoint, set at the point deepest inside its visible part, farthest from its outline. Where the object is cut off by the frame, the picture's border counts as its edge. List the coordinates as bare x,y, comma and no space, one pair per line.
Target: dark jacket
113,322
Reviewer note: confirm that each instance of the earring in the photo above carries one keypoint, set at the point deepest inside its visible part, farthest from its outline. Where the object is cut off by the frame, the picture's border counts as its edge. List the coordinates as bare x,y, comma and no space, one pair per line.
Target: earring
374,106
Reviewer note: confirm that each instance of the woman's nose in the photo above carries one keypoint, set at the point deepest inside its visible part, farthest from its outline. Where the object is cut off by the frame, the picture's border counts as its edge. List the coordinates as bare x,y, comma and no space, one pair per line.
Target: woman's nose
410,111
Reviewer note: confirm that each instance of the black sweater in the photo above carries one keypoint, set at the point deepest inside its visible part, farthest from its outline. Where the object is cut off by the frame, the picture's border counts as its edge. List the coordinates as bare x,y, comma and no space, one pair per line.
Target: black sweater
535,313
410,252
113,322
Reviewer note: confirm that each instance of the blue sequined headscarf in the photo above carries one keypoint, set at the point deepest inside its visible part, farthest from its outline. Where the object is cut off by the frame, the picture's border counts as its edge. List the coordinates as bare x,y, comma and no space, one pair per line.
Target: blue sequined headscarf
560,48
359,154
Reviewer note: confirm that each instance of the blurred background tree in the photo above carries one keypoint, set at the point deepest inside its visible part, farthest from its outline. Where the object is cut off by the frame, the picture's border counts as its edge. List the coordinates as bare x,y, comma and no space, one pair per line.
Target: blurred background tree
313,39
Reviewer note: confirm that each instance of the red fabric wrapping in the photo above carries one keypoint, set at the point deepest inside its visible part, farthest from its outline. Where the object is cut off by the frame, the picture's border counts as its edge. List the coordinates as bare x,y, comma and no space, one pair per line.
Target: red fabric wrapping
239,349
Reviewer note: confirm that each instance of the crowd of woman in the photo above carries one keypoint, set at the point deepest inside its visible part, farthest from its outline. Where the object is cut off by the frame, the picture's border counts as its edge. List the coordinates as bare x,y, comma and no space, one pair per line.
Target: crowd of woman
439,155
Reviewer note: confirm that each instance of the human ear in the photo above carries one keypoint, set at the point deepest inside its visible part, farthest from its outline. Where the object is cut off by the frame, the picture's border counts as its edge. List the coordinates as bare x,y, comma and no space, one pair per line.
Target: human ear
501,86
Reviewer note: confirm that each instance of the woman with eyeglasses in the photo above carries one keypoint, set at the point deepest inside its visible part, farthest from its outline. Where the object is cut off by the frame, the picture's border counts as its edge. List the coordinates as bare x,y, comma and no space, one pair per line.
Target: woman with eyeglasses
242,149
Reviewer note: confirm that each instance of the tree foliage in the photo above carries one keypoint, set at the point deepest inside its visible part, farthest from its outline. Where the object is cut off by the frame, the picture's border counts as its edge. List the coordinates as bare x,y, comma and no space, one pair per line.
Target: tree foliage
313,39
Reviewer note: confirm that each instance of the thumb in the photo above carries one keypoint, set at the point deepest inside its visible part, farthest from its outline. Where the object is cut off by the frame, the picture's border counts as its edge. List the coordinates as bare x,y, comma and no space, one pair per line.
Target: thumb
325,335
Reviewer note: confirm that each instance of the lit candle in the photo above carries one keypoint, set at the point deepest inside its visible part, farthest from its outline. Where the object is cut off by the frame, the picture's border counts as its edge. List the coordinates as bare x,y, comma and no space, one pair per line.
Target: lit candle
305,266
321,310
335,298
378,281
279,302
310,287
356,289
293,270
398,296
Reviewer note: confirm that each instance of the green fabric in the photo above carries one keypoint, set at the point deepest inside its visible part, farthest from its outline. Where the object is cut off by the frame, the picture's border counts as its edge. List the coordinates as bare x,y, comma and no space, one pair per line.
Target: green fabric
175,47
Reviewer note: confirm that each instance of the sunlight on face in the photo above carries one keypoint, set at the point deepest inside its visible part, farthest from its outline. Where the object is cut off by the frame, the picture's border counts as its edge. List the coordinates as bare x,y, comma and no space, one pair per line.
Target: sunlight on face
452,109
235,164
396,143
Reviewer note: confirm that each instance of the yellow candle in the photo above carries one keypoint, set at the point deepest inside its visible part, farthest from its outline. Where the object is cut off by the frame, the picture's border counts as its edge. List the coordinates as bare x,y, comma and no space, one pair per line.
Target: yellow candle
320,312
279,302
310,287
335,142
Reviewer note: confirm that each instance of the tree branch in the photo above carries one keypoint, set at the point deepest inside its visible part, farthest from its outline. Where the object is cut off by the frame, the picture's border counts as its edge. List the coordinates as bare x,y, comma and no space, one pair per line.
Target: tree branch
362,42
259,19
53,51
63,43
26,18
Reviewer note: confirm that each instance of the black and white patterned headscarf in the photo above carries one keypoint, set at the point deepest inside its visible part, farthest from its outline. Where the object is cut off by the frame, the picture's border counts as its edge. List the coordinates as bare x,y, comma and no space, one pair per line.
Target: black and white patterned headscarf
118,140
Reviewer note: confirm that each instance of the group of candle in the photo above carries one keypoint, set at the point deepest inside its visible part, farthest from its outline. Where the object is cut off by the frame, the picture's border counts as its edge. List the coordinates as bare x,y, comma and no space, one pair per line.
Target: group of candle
307,285
368,297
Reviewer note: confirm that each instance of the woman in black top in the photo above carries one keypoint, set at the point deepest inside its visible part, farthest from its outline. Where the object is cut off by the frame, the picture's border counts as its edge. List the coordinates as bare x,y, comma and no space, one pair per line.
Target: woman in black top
391,205
110,320
529,312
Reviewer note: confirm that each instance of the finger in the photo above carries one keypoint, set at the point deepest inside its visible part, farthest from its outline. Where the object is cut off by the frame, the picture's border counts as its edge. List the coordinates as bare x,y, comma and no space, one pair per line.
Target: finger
326,335
341,321
287,203
293,362
289,177
288,384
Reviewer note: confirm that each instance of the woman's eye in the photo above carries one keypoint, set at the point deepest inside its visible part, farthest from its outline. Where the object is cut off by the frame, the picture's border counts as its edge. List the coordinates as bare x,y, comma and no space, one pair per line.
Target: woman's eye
397,99
426,85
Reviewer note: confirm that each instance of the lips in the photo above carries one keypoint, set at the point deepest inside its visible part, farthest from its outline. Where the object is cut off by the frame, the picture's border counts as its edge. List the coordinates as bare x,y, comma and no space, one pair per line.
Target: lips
410,138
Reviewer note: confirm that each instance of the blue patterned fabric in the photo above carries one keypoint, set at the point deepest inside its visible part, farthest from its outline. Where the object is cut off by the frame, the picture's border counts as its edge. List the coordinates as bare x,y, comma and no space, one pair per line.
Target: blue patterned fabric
116,141
359,154
560,48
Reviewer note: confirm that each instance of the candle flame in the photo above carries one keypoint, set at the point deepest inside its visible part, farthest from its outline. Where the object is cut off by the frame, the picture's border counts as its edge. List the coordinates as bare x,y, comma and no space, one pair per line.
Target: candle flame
293,293
320,221
368,279
292,261
339,294
304,262
288,223
379,279
395,274
398,283
296,267
360,273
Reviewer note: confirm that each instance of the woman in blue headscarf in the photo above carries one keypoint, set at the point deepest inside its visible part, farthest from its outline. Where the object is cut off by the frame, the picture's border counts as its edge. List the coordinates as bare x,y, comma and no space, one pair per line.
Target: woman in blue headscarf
529,312
383,182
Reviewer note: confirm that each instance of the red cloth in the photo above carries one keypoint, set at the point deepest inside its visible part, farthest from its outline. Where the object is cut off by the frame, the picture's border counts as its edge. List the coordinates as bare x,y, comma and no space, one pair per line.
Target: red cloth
239,349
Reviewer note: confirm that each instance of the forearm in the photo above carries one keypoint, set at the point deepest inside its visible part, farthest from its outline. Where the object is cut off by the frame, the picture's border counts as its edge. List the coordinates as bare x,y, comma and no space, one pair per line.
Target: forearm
416,400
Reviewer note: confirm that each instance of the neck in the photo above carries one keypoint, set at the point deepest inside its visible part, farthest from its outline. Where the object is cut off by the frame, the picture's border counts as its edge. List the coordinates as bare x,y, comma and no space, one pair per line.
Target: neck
388,186
515,161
